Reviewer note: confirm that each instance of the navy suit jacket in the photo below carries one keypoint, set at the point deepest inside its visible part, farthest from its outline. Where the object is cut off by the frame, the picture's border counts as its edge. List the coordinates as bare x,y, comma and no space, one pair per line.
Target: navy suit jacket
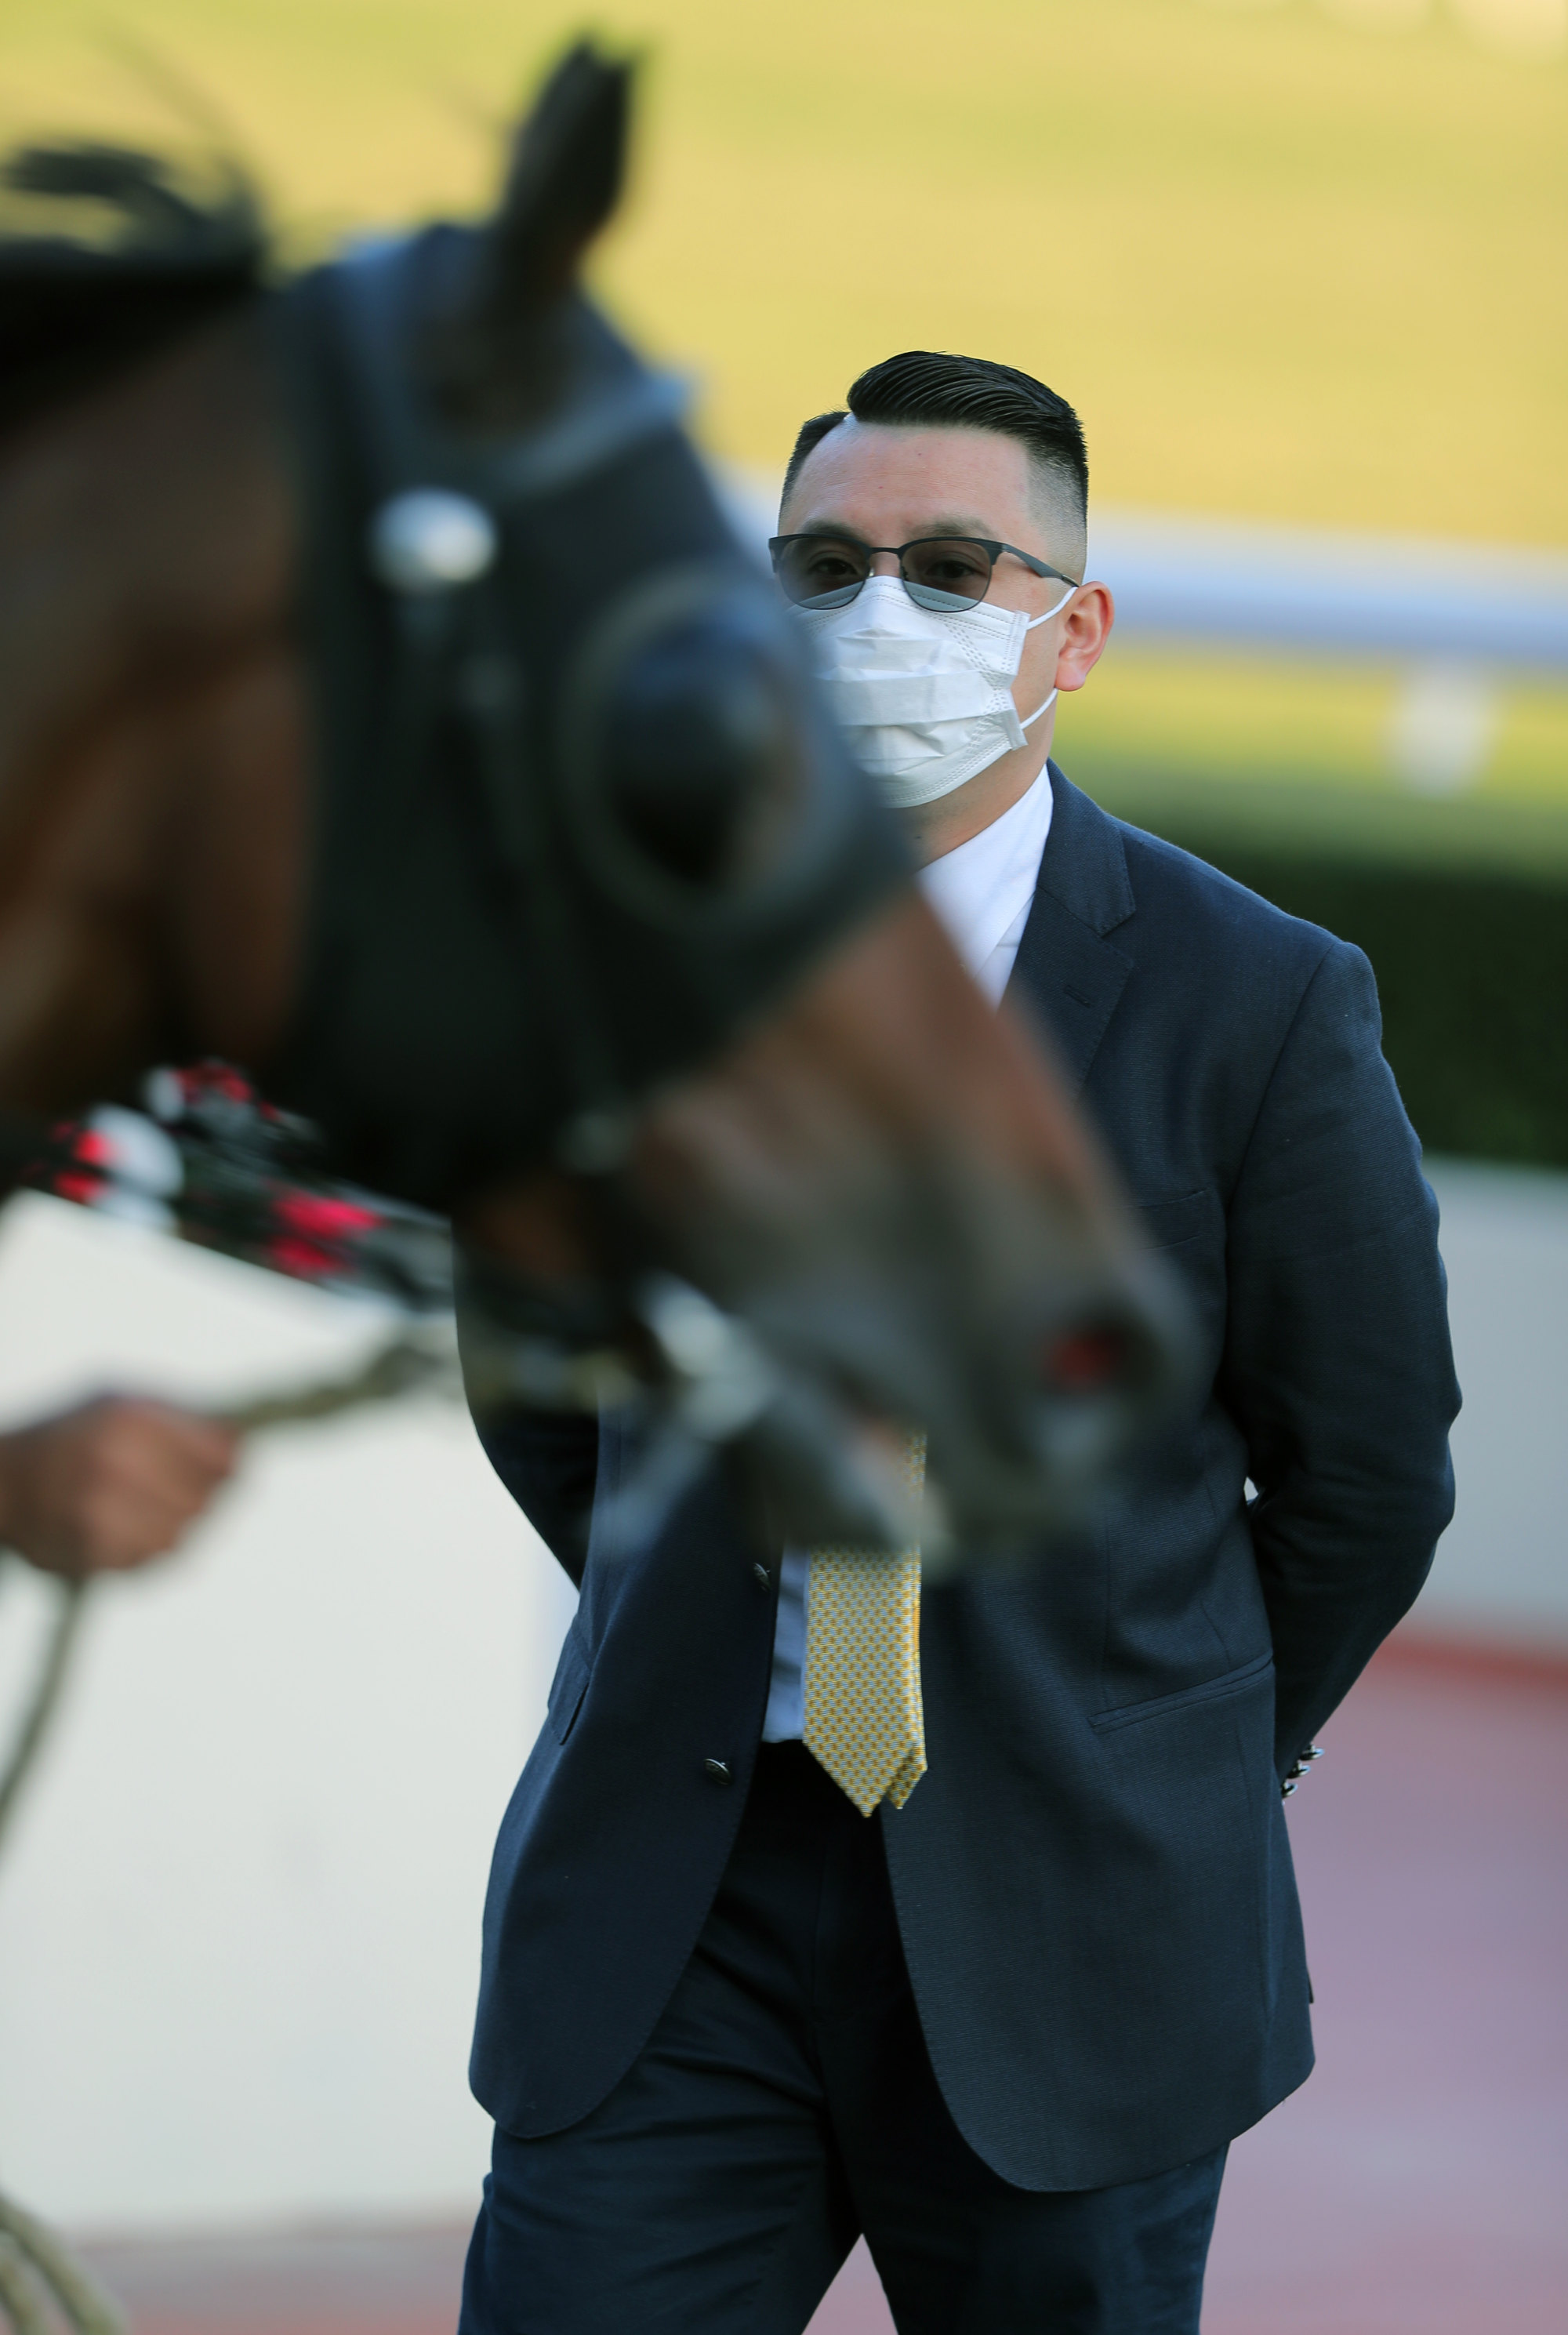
1093,1880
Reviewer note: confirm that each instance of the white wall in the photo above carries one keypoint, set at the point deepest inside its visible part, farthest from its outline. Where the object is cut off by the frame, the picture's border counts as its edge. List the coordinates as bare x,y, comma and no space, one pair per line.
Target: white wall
1502,1568
239,1910
238,1914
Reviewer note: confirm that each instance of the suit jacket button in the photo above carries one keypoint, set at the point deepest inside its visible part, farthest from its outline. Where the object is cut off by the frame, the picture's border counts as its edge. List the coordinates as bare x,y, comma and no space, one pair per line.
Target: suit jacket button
762,1577
719,1769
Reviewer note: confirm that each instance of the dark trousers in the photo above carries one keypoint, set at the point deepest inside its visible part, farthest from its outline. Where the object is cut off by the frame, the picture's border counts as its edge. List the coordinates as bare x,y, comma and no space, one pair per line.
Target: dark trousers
784,2104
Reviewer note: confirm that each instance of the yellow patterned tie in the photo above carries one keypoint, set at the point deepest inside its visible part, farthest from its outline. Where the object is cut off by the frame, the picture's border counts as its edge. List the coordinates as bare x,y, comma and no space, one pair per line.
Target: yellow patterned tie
863,1719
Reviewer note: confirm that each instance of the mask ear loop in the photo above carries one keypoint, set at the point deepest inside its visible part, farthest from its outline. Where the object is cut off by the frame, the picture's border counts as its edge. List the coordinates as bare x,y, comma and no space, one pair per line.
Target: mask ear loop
1033,621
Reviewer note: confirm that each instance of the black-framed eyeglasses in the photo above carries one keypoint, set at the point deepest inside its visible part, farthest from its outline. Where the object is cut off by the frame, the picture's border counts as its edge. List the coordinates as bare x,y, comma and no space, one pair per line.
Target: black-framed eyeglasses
937,571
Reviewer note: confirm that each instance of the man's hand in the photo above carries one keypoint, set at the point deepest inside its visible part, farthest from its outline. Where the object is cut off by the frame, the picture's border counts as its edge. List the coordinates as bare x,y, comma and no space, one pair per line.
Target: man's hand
105,1486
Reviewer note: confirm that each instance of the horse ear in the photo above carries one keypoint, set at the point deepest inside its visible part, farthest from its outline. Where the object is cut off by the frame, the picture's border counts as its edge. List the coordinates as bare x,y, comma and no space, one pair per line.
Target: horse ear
568,168
489,358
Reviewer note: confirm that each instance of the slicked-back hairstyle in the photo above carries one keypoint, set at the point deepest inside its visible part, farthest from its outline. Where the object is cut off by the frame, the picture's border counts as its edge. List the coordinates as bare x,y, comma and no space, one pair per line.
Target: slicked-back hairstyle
927,389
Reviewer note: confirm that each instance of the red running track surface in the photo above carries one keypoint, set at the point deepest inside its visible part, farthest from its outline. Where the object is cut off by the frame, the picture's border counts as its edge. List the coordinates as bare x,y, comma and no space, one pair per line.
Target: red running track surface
1416,2186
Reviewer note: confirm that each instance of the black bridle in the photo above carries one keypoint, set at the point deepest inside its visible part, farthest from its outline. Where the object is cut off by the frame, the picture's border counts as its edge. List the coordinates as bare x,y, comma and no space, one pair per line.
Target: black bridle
569,763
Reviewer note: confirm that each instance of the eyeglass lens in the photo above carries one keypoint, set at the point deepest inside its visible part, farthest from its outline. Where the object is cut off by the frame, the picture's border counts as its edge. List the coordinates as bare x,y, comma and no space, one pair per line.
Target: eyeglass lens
820,571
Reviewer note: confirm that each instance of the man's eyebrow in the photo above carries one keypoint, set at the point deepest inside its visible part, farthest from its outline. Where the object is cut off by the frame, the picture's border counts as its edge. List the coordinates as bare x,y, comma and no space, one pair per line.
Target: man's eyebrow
834,530
837,531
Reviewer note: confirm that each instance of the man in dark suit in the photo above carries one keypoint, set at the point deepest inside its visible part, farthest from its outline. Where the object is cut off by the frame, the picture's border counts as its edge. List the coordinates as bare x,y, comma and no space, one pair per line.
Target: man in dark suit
1007,2026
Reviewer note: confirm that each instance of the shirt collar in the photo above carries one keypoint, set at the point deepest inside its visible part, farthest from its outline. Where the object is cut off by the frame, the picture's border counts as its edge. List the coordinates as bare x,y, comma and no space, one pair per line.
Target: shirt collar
980,888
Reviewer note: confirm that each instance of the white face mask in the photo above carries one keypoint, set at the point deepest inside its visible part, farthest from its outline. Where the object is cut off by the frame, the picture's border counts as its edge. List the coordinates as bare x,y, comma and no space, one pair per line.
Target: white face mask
925,693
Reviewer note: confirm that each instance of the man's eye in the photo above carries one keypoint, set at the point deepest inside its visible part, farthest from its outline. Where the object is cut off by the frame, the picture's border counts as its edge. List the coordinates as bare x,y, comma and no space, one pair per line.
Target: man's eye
829,567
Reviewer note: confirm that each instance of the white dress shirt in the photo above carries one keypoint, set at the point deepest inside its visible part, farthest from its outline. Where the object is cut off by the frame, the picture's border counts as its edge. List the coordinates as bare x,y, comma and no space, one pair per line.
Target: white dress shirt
982,892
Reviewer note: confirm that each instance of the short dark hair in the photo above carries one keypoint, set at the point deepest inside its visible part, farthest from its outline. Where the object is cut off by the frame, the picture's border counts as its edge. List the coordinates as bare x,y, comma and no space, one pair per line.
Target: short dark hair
926,387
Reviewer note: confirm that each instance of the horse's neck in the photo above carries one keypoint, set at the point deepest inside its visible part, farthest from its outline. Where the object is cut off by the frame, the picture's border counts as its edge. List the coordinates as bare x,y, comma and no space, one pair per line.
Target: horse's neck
149,726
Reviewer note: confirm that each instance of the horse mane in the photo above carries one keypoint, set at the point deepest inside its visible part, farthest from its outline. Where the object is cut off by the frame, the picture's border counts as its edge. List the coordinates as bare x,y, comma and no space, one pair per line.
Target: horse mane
107,254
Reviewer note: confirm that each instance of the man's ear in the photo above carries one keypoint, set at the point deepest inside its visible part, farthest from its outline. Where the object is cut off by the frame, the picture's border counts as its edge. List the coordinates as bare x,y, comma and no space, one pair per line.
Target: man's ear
1086,629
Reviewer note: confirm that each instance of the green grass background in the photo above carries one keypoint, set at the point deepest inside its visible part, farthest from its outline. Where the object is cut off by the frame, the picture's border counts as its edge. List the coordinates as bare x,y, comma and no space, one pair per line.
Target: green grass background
1287,266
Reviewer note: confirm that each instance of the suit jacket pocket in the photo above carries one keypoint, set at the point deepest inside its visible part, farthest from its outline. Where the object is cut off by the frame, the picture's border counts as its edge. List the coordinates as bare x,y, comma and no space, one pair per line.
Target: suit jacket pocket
1169,1222
1214,1690
569,1685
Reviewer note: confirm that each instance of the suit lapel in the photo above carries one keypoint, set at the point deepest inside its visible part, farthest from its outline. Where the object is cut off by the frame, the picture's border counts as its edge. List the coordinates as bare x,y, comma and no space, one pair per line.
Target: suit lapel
1067,969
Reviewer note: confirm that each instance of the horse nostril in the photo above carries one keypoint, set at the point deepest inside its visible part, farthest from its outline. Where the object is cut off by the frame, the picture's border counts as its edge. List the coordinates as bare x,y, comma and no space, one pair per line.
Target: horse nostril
1087,1361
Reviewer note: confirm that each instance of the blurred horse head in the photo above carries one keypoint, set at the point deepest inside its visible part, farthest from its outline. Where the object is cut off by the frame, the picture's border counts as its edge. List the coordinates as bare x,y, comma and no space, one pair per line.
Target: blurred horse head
385,705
